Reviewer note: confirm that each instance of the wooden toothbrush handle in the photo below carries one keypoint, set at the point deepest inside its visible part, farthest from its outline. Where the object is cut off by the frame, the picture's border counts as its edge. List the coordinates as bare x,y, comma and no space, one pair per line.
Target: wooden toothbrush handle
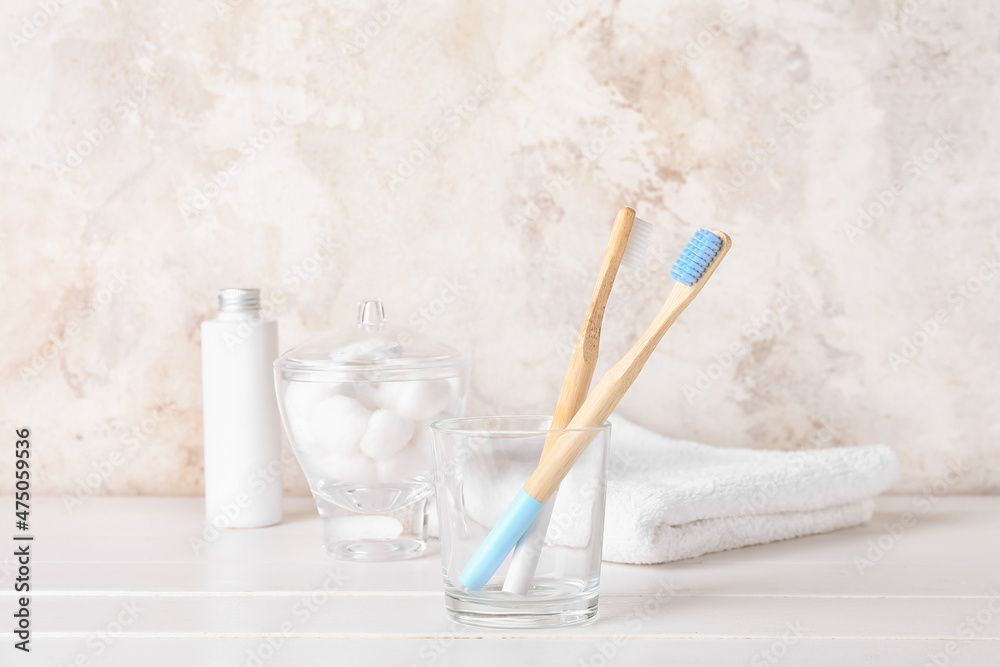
612,387
580,372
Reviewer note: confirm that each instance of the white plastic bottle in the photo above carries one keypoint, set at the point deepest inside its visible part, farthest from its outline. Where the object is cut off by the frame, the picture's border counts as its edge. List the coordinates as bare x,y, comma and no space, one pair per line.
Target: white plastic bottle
243,466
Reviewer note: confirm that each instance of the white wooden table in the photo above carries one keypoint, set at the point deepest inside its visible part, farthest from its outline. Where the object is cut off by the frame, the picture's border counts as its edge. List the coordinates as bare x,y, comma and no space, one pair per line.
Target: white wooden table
117,582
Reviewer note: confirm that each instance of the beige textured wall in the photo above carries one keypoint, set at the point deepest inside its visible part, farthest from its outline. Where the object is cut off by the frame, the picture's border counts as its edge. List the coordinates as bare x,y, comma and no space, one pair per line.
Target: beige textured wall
477,153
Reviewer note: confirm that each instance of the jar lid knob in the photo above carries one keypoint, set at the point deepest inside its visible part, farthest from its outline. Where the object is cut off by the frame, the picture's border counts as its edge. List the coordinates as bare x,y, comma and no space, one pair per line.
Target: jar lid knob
371,314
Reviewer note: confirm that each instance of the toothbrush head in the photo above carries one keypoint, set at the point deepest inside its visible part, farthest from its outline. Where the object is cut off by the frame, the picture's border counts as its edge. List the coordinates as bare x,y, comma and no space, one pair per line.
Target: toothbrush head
696,257
638,244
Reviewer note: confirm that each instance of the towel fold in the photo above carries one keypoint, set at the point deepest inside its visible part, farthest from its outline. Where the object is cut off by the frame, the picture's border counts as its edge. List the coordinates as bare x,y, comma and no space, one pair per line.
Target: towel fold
671,499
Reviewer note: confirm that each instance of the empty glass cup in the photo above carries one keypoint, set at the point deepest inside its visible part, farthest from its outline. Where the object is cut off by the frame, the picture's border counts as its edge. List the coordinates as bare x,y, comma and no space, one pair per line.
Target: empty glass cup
480,464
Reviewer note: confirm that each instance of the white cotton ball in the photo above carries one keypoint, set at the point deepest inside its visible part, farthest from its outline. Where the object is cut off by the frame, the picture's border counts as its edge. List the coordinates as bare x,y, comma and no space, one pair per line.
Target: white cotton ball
387,433
387,395
421,400
361,527
338,423
355,468
406,464
364,393
300,435
341,388
301,398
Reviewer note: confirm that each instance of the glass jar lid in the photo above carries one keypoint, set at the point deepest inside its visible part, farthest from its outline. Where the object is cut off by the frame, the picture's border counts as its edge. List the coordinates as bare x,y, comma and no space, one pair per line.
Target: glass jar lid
370,346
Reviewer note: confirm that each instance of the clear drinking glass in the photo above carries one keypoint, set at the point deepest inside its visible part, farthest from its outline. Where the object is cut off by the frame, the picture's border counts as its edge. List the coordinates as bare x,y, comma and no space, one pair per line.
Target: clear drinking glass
480,464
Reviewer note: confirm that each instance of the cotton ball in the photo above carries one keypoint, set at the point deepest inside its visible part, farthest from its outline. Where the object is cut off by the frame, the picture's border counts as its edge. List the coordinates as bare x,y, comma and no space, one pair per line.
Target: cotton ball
355,468
404,465
387,433
421,400
301,437
360,390
338,424
301,398
364,394
387,394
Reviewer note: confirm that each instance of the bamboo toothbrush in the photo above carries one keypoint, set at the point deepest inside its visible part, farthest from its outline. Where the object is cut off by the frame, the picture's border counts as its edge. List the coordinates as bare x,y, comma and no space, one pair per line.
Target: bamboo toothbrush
628,243
691,271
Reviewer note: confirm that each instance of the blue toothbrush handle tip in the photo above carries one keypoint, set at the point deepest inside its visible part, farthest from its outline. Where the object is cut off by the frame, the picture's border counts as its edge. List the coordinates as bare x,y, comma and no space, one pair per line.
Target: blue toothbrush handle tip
508,530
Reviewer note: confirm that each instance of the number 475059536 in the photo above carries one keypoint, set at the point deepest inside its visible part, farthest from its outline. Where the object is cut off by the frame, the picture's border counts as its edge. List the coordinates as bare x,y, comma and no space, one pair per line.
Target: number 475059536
22,476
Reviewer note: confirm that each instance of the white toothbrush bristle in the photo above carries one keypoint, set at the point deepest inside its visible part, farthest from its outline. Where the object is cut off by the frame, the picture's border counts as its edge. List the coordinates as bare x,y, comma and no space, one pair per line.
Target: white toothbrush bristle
638,243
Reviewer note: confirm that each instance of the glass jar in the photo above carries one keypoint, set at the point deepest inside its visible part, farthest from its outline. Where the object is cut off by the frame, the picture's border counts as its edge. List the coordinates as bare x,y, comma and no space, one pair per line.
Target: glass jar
356,404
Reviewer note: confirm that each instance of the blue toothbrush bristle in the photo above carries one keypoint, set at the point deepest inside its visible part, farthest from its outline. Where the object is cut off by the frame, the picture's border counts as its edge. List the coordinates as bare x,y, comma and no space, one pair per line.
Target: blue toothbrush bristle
696,256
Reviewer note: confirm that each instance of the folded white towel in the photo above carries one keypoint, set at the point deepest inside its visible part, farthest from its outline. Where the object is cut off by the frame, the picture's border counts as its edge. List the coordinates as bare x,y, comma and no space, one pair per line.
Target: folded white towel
671,499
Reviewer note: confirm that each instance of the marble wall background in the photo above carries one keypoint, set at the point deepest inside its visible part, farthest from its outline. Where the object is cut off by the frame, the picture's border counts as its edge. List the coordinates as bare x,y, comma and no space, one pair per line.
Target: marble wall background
477,153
